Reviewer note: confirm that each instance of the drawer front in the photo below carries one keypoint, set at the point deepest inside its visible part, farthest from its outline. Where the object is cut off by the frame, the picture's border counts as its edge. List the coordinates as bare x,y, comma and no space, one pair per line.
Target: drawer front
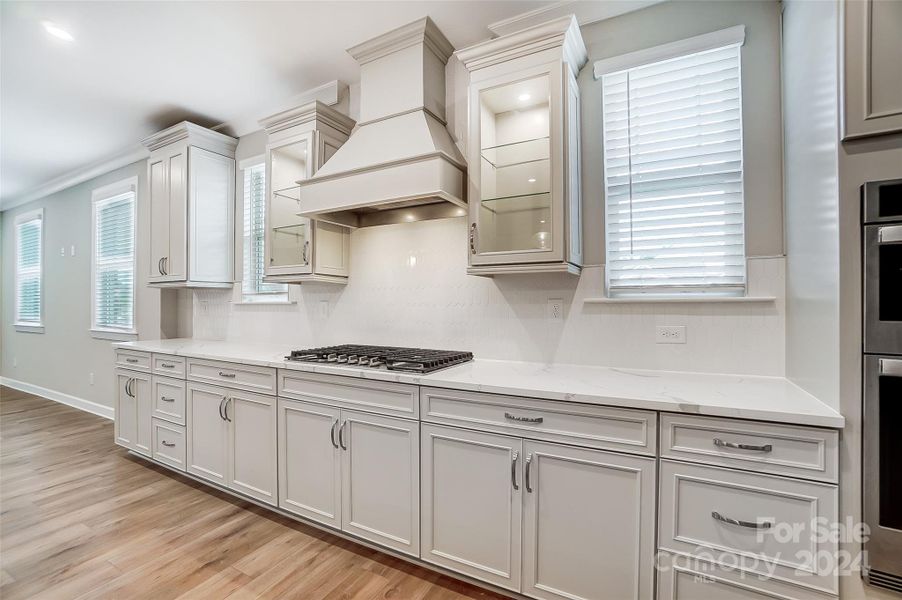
383,397
688,578
577,424
169,399
133,359
244,377
761,522
169,444
806,452
169,365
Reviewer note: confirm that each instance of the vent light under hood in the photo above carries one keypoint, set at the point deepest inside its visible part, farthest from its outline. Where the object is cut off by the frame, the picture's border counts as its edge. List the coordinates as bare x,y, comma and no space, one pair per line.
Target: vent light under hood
400,163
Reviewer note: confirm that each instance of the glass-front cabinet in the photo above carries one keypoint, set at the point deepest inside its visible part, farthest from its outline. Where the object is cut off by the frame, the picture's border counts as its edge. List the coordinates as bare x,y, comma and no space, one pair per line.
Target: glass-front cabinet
298,249
524,188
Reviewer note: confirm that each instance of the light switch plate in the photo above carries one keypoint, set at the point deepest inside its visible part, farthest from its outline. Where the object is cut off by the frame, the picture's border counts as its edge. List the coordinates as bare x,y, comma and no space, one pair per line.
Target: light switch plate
670,334
555,309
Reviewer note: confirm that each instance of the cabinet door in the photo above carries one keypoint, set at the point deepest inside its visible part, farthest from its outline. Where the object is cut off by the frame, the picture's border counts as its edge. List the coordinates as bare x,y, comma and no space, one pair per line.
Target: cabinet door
471,495
588,524
310,461
143,392
166,176
208,432
252,419
517,168
126,418
211,199
289,238
381,480
174,263
157,182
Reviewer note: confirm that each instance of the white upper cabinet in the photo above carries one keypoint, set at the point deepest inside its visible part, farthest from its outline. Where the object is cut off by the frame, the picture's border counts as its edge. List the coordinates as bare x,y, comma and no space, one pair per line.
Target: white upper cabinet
872,75
524,150
191,181
298,249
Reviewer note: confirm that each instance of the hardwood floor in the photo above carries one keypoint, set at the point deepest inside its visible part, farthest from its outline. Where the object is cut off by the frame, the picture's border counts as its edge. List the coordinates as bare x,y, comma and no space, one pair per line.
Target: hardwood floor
80,518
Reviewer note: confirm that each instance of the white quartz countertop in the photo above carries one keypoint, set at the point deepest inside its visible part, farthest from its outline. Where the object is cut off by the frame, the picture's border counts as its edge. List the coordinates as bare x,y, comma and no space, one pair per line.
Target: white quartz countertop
749,397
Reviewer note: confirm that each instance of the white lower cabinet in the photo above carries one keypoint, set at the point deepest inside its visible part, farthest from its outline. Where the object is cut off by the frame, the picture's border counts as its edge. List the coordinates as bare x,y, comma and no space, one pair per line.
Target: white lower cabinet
351,470
472,505
134,405
588,524
169,443
232,439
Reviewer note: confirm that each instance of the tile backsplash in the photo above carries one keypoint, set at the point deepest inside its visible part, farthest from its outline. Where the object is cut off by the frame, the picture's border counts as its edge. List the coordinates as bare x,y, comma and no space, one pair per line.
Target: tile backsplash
409,287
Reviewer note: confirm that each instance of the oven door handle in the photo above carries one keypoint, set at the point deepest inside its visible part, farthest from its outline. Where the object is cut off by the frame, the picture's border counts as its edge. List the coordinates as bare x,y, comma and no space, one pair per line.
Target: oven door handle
891,367
889,234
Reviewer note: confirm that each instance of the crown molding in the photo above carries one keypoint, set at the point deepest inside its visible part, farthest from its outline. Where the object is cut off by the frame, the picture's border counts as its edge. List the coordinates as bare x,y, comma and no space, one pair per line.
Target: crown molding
195,134
585,12
121,159
311,112
422,31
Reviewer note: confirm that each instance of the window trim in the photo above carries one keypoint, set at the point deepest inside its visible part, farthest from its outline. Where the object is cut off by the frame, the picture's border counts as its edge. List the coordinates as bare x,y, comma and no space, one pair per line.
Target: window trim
28,326
723,38
98,195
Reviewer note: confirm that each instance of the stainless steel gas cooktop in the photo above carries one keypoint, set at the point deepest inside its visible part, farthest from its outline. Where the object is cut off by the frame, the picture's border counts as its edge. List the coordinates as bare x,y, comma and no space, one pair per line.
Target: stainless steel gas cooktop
413,360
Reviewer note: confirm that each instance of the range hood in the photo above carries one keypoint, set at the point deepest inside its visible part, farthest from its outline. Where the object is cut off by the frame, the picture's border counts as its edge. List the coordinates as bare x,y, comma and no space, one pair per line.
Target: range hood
400,163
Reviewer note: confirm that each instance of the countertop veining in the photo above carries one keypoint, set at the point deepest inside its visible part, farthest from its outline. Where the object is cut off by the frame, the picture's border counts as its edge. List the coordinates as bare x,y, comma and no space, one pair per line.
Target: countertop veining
749,397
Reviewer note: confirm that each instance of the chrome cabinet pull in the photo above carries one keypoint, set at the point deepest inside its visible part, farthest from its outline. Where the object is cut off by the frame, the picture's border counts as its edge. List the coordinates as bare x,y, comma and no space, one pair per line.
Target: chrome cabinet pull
891,367
167,365
514,459
160,266
511,417
128,387
165,399
168,445
747,524
332,433
221,402
722,444
473,234
165,265
131,360
229,375
341,435
225,408
304,252
526,479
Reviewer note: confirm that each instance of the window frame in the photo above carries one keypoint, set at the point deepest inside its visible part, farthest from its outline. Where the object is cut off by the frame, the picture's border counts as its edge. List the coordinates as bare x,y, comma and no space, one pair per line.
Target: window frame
99,195
731,36
29,326
265,297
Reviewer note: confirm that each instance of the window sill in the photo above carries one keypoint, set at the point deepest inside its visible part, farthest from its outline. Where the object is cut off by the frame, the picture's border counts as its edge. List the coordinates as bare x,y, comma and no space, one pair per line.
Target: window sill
114,336
265,303
28,328
686,300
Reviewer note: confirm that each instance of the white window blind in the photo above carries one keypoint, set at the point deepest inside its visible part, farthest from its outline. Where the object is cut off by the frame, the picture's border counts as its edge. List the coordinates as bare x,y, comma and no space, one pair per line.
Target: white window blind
253,286
29,236
114,261
673,175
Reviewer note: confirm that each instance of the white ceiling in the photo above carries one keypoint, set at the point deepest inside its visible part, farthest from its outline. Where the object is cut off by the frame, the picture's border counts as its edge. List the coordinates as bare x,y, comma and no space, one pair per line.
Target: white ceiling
137,67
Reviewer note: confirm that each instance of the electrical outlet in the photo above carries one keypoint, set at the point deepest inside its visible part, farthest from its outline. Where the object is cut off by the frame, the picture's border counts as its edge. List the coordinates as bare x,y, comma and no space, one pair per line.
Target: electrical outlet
670,335
72,250
91,378
555,309
324,309
15,361
63,251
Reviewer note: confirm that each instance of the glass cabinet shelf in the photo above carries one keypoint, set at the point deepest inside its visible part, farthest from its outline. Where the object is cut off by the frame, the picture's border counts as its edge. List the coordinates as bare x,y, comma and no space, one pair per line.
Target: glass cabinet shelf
503,204
298,230
517,153
291,193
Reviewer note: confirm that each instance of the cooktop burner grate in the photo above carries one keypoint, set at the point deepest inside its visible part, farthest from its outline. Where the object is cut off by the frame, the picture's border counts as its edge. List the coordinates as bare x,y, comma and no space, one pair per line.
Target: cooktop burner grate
413,360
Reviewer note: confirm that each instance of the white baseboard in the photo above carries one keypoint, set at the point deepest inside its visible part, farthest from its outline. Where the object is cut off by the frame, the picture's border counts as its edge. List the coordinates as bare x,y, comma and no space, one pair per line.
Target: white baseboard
74,401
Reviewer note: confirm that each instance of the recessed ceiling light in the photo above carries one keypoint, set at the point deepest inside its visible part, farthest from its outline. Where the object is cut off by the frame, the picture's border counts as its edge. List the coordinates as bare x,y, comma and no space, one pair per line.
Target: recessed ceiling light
57,31
523,97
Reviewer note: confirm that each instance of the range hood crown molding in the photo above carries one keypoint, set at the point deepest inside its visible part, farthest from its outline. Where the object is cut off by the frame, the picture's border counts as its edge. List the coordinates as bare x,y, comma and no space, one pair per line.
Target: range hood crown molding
422,31
561,33
311,112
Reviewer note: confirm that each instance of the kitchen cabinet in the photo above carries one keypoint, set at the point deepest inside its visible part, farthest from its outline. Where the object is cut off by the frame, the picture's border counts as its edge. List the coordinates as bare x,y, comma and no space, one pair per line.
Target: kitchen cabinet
298,249
134,405
872,77
351,470
524,151
231,439
191,188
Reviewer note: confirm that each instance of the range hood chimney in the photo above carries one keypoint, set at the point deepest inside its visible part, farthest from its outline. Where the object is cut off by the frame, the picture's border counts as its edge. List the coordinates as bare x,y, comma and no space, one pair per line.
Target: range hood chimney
400,163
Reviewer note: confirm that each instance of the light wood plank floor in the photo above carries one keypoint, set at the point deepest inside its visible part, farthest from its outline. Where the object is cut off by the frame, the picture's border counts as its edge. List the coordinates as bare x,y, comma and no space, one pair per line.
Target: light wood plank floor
80,518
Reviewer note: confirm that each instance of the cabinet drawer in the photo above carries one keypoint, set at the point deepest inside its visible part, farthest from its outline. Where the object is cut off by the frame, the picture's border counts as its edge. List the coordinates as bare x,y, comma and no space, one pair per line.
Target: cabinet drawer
578,424
688,578
806,452
763,523
169,399
244,377
169,444
168,365
382,397
133,359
